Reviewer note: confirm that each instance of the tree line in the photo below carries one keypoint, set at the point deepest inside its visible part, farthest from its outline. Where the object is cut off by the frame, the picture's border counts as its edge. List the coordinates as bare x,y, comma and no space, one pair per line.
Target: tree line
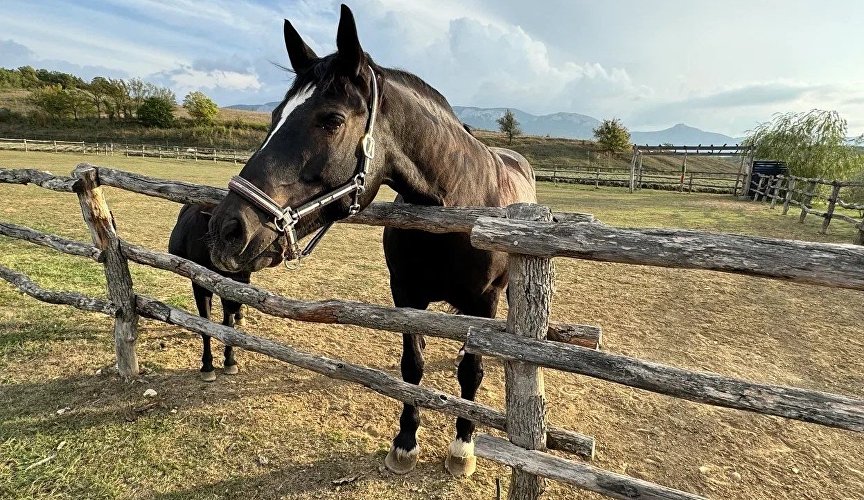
58,97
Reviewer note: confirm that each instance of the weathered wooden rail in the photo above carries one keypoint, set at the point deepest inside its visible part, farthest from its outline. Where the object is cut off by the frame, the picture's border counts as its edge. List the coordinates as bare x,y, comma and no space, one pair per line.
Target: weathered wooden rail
801,191
526,340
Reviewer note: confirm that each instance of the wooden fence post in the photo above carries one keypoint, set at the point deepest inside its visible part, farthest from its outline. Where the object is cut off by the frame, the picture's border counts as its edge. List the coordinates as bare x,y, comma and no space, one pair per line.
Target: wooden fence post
100,220
690,184
778,181
806,198
639,180
632,181
597,178
683,172
25,146
55,146
529,298
832,202
758,187
790,191
859,236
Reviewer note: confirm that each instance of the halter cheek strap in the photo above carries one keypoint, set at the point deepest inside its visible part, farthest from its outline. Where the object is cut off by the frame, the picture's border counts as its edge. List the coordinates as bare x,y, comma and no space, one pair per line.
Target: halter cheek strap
286,218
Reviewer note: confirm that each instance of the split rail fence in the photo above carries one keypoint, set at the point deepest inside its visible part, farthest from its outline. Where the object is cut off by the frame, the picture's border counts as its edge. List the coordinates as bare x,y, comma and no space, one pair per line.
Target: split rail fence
126,149
526,341
790,190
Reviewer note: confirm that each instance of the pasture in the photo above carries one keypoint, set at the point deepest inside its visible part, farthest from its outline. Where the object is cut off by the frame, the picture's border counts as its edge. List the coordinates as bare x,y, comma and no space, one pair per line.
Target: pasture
277,431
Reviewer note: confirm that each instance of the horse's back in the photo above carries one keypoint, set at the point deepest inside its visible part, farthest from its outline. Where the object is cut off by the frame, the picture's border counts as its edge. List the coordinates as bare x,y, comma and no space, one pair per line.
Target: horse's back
189,236
521,177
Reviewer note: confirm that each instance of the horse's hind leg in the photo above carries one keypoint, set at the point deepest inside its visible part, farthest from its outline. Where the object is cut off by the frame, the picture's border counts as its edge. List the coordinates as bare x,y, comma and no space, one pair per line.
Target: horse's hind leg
204,301
404,452
460,454
230,310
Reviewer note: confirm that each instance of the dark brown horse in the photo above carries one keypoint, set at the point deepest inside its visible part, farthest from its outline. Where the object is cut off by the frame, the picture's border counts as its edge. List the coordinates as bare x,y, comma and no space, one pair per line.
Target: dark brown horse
317,148
190,240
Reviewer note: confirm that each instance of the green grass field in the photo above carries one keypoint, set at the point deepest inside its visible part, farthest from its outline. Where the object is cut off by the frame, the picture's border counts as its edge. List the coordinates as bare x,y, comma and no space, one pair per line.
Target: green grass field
70,429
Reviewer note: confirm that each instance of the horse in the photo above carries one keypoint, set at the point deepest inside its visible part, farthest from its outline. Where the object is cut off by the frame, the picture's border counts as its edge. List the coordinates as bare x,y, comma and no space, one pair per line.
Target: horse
190,240
318,164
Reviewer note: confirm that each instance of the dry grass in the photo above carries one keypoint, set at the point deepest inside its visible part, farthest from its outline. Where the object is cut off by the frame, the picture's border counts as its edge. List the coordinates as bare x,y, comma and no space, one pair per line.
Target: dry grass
275,431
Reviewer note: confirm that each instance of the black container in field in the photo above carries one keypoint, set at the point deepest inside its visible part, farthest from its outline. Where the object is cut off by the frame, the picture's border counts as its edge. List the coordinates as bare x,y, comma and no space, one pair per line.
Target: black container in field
772,168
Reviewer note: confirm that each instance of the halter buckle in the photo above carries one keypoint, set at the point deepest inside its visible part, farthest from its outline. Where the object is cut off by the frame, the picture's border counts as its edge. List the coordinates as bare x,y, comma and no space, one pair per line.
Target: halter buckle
368,144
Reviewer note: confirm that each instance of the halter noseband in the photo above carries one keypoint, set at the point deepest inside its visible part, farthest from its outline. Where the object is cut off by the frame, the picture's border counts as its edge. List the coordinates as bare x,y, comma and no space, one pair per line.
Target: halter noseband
286,218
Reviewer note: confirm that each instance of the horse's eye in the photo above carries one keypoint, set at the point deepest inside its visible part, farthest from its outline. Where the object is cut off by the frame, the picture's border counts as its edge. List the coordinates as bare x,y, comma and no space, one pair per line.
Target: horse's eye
332,123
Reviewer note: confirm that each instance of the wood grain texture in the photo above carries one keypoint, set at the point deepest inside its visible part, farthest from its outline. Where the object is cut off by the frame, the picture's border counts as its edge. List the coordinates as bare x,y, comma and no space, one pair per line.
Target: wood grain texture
25,285
529,299
393,319
574,473
46,180
100,220
64,245
799,261
823,408
375,380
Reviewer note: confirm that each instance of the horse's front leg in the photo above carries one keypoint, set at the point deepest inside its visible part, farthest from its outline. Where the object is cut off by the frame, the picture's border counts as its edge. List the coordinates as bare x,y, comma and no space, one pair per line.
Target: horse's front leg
404,452
203,300
230,310
460,459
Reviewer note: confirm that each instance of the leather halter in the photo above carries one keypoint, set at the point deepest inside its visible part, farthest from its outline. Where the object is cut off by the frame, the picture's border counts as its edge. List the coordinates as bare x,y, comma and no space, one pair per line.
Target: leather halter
286,218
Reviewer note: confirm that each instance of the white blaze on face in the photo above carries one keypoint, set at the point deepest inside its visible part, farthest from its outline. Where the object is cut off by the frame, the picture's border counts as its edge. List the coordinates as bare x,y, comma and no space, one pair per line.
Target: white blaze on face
289,108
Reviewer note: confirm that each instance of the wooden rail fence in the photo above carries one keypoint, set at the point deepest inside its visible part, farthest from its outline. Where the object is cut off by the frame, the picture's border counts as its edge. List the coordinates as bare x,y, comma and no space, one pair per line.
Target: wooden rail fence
801,191
110,148
693,181
526,341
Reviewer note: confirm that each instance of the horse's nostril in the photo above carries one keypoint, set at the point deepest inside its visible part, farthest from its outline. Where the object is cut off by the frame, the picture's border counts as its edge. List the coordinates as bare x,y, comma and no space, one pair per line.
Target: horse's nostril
231,231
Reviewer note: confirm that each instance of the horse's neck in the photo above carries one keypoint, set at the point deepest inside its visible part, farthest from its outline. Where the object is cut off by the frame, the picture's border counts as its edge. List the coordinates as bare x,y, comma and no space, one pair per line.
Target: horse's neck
431,158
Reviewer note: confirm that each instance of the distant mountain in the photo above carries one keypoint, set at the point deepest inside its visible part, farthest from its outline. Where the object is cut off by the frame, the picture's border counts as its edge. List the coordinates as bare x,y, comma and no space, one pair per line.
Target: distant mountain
567,125
260,108
681,135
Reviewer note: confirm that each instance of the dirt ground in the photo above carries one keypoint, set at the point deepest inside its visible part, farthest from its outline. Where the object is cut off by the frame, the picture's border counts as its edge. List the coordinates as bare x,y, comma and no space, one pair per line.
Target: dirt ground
71,429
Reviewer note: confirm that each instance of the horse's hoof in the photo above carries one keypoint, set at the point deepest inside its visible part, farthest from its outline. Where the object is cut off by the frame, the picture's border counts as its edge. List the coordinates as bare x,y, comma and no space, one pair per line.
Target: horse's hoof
460,461
401,461
208,376
231,370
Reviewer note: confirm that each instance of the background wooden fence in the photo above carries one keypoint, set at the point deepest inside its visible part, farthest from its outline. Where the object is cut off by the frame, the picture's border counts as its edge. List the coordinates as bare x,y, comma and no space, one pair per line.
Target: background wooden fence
790,190
690,182
126,149
527,340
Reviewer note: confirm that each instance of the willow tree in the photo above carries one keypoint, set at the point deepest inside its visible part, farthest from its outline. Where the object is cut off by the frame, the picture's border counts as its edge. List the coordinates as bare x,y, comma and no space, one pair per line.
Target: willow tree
811,144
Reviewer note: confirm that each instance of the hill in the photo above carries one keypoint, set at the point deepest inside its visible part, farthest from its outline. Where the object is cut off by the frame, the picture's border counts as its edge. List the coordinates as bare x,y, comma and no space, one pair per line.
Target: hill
566,125
569,125
546,153
681,134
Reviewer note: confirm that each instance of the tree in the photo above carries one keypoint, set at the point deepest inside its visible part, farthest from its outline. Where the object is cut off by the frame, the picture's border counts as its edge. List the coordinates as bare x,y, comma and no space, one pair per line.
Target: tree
509,125
612,136
811,144
117,99
200,107
156,112
53,101
80,102
99,88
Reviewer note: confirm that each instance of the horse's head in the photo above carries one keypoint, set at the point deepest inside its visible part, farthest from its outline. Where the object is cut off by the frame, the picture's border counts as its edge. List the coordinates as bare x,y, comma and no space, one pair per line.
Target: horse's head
314,148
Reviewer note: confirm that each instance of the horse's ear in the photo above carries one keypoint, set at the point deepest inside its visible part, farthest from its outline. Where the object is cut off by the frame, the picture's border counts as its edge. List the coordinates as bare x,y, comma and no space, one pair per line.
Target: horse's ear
350,54
299,53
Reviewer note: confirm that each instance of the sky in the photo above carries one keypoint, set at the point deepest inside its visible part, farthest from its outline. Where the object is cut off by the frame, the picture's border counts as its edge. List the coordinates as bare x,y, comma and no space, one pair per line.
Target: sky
719,66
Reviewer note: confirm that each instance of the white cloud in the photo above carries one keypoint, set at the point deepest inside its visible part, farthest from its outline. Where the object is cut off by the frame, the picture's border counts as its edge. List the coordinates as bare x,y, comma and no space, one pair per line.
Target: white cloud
187,78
